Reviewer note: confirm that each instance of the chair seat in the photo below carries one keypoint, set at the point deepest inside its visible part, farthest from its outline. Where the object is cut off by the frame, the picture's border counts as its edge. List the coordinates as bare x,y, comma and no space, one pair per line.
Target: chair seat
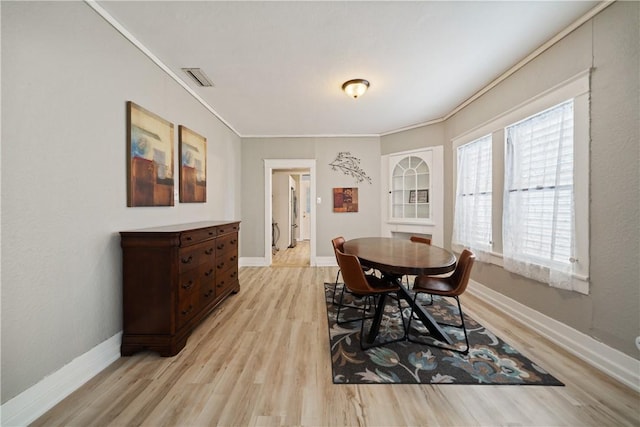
434,285
380,285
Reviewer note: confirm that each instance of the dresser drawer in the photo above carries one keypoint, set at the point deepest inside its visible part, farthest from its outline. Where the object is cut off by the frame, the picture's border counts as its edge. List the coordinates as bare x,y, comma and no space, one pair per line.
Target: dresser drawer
225,229
227,243
226,259
226,279
188,295
193,237
193,256
207,284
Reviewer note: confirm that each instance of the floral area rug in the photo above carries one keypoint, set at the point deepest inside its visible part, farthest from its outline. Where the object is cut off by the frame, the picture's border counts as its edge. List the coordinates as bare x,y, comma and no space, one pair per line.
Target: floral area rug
490,360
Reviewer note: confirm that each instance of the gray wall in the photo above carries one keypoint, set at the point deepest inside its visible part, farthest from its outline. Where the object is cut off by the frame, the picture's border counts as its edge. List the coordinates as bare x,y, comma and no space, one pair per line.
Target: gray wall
609,43
66,76
324,150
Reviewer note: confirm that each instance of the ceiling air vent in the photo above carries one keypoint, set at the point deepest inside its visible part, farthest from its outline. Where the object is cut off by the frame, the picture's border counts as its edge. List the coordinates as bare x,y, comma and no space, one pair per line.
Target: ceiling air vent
198,76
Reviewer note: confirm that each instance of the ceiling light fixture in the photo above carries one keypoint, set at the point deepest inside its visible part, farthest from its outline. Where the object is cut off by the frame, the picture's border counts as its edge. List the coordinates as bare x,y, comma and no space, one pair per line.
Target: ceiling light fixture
355,88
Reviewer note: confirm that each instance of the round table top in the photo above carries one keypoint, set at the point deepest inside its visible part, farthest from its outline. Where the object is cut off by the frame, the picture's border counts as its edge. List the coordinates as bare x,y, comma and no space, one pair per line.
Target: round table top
401,256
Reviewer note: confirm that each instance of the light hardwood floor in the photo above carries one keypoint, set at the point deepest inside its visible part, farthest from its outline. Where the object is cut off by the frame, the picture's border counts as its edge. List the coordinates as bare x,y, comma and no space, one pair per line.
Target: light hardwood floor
262,358
297,256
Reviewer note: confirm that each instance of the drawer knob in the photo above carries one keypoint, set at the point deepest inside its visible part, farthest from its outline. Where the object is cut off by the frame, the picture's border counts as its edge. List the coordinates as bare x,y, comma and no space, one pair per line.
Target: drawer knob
188,310
221,284
209,273
209,251
220,265
187,285
221,245
187,260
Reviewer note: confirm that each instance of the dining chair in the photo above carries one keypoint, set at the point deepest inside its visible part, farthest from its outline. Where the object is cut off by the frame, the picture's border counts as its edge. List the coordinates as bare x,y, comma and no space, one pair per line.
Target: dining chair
452,287
418,239
363,286
338,244
426,241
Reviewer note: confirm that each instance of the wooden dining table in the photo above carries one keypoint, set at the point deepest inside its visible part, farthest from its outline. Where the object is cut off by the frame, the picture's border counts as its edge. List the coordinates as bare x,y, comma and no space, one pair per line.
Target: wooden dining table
395,258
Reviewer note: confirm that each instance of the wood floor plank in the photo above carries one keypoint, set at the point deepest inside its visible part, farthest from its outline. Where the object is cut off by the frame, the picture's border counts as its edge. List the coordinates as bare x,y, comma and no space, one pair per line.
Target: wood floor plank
262,359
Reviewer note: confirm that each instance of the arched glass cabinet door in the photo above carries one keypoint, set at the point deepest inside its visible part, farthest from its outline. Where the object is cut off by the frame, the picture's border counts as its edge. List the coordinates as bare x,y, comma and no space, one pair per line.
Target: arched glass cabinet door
410,188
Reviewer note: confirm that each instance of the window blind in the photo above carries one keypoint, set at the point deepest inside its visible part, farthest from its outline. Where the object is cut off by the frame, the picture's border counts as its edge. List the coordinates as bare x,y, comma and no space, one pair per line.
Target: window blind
472,218
538,221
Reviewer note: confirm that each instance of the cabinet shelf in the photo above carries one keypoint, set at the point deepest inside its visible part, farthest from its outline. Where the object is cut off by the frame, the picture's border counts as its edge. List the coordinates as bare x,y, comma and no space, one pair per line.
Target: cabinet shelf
414,192
410,184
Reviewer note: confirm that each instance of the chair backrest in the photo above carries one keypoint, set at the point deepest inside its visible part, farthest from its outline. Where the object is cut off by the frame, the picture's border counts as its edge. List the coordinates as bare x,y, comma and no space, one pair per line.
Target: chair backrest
338,243
418,239
352,273
460,277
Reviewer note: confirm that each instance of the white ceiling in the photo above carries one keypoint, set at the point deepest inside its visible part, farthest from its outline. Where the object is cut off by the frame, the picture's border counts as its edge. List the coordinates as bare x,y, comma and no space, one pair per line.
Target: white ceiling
278,66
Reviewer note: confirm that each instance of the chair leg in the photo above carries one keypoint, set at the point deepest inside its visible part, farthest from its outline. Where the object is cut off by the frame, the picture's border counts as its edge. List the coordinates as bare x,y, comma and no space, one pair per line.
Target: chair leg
335,286
368,303
464,351
341,305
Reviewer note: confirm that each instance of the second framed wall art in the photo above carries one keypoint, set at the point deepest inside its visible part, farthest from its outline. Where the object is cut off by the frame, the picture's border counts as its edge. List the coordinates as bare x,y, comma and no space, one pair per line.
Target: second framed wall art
193,166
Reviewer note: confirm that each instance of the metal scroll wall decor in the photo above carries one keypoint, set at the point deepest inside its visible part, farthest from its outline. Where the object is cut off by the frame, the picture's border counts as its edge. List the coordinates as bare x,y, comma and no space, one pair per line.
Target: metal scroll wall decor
349,165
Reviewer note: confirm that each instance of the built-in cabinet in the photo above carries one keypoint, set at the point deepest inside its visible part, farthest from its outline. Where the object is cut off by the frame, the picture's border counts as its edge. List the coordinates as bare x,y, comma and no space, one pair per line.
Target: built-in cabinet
173,277
414,194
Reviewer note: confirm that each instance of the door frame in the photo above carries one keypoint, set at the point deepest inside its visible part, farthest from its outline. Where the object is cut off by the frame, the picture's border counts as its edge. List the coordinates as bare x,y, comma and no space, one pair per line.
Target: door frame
269,166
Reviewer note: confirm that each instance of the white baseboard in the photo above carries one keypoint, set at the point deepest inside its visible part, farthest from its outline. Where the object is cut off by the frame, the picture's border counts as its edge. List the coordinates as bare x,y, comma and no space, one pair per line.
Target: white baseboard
38,399
35,401
252,262
612,362
326,261
262,262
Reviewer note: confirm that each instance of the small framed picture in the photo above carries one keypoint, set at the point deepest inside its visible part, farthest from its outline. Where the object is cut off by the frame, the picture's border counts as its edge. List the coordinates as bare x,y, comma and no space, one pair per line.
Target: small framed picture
345,199
418,196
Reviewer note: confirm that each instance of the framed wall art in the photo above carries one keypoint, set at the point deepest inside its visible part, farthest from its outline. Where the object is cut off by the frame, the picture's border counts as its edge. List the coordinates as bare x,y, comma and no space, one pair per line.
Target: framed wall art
345,199
193,166
150,158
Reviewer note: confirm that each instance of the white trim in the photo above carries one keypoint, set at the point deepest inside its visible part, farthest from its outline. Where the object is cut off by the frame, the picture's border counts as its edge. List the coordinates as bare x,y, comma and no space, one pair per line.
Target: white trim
572,87
269,166
127,35
561,35
252,262
317,135
533,55
39,398
326,261
612,362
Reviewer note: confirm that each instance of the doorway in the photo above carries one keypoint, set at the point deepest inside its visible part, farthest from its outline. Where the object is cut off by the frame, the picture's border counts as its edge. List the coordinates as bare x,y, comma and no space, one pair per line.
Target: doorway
289,212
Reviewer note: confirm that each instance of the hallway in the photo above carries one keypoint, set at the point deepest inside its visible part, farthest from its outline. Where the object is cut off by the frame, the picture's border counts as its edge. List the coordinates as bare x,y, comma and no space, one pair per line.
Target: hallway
292,257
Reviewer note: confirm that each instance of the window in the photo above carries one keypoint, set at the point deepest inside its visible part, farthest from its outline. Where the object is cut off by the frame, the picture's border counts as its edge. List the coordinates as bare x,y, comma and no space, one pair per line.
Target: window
538,217
535,222
472,218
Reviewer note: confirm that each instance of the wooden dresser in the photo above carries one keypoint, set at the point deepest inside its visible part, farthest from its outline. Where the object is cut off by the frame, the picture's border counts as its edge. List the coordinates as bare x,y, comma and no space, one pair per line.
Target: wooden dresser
173,277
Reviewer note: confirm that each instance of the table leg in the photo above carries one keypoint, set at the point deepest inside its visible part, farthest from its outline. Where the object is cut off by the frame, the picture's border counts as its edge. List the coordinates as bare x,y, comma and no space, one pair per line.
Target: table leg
377,318
434,329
